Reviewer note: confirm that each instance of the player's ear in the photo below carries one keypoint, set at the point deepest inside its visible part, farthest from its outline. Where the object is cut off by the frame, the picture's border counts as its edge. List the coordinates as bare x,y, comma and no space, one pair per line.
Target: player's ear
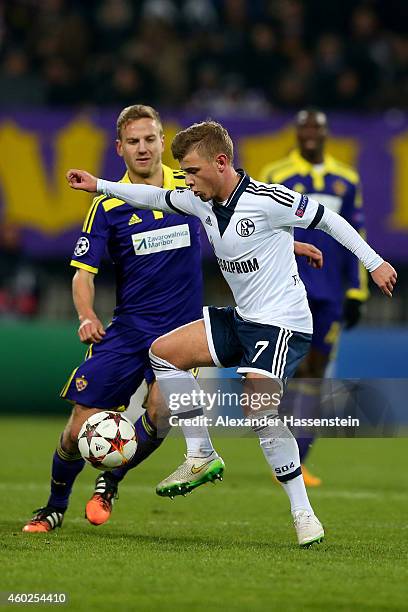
162,143
119,149
221,162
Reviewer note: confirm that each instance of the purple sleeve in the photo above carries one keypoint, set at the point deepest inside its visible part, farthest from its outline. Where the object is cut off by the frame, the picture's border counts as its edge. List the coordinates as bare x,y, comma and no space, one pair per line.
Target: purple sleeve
91,244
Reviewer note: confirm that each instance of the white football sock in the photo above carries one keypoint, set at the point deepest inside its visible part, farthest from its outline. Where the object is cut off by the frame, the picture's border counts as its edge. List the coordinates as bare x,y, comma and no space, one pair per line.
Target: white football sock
282,453
174,382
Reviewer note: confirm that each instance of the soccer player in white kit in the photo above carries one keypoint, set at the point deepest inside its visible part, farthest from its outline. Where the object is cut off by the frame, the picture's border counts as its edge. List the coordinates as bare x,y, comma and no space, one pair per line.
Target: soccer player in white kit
250,226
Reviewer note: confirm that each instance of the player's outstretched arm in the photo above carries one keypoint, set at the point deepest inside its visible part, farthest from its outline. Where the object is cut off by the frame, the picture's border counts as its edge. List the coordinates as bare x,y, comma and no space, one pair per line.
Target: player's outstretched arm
382,273
139,196
301,211
313,254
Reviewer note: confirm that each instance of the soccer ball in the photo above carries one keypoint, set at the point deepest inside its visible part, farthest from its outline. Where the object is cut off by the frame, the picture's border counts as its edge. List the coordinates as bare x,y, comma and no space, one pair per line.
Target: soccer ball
107,440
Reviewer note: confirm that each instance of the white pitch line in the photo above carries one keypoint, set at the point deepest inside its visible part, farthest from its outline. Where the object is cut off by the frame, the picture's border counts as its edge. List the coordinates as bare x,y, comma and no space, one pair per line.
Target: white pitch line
374,495
336,494
34,486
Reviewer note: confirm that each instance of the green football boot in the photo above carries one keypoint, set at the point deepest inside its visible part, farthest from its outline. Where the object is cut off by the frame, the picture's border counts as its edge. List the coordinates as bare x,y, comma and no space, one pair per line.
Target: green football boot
194,472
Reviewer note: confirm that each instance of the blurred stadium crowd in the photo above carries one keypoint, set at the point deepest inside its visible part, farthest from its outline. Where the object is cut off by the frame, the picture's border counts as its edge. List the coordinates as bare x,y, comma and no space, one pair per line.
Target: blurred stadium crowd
216,56
245,58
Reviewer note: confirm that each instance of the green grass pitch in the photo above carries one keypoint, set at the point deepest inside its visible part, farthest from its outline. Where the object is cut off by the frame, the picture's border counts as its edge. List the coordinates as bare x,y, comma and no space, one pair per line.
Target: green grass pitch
225,547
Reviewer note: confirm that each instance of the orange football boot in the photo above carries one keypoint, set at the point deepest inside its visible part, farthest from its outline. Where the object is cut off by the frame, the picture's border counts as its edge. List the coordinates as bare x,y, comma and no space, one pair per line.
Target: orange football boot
310,479
44,519
99,507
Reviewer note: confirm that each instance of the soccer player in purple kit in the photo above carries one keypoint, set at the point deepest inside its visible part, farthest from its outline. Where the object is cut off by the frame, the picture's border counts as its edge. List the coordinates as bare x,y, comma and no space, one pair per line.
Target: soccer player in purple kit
157,259
336,293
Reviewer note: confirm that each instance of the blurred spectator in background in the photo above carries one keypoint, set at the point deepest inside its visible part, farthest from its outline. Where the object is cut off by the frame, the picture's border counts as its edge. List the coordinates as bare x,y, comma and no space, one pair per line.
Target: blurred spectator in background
19,85
64,87
226,96
114,22
264,61
127,82
19,284
329,63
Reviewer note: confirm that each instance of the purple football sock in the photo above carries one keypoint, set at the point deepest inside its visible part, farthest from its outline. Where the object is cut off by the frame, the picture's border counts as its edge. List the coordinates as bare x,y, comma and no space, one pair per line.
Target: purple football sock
65,469
304,444
306,402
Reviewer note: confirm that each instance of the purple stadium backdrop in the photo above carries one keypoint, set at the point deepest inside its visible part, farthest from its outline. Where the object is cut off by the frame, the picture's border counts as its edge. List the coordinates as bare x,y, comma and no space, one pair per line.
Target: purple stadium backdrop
38,147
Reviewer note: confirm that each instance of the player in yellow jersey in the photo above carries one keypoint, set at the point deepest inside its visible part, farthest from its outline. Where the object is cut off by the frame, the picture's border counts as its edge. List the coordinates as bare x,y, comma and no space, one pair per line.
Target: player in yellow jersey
335,293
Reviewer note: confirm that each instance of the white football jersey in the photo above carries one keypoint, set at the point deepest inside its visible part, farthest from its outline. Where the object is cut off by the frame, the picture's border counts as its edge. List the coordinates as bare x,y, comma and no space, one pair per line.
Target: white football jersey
252,237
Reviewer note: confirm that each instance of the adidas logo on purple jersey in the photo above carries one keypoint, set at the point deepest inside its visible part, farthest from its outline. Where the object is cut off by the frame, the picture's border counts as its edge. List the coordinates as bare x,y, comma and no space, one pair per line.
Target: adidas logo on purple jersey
134,219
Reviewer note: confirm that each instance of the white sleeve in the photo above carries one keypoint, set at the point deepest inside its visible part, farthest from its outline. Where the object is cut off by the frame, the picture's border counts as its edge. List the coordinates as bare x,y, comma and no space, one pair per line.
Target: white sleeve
150,197
341,230
291,209
287,208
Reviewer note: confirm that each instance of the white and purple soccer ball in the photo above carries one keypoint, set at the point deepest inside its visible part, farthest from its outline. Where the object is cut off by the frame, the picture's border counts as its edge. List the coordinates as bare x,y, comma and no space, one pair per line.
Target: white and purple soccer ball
107,440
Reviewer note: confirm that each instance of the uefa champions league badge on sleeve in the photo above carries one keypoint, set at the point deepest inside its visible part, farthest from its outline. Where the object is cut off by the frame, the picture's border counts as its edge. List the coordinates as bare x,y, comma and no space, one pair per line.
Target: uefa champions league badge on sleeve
300,211
82,246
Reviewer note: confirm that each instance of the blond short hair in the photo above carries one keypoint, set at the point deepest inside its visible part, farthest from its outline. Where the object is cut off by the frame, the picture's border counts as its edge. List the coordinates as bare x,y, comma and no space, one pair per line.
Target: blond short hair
209,138
137,111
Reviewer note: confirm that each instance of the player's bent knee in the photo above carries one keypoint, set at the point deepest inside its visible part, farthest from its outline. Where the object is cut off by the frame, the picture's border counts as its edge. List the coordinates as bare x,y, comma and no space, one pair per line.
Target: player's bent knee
69,441
79,415
70,437
161,349
158,348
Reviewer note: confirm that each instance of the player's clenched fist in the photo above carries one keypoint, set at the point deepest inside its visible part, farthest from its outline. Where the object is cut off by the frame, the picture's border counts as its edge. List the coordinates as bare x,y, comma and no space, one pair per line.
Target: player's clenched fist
385,278
90,331
80,179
